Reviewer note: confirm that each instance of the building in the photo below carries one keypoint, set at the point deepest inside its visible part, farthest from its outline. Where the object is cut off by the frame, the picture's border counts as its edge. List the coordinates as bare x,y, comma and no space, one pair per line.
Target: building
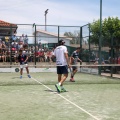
50,39
7,29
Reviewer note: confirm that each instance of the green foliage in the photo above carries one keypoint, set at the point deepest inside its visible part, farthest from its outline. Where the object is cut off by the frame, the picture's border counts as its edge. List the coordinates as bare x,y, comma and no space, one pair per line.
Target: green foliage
110,27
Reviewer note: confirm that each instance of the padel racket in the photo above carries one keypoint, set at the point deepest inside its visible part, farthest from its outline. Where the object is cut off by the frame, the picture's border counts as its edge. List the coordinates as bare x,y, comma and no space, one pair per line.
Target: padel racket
16,69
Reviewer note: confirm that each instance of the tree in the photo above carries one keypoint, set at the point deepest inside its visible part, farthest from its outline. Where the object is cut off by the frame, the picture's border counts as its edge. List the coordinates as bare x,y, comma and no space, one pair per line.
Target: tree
75,37
110,28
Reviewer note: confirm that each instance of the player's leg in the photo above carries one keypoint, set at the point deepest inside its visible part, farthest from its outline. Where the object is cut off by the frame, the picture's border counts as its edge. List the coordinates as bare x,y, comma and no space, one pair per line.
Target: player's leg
64,72
21,72
61,70
73,73
62,81
27,70
64,77
59,79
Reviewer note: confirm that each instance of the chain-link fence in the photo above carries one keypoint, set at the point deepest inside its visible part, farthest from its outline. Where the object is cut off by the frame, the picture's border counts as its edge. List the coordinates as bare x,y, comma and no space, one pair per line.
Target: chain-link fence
110,49
38,41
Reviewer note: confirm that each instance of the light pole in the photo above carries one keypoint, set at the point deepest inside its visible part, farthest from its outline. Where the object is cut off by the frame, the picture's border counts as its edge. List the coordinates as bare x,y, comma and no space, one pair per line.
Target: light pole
46,18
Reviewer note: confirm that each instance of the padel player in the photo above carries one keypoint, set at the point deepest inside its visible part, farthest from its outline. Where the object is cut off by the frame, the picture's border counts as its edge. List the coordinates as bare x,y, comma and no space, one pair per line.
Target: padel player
74,58
62,62
22,59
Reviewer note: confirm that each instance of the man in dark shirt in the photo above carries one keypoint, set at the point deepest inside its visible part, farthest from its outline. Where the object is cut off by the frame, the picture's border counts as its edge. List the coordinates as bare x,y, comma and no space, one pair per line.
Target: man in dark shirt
22,58
73,61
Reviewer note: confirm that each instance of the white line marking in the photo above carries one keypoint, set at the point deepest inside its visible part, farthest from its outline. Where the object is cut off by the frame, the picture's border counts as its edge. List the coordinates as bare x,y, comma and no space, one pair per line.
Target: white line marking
68,100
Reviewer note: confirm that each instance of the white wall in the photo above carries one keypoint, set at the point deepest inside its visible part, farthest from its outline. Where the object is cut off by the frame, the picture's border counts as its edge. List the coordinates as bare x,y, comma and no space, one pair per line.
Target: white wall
50,38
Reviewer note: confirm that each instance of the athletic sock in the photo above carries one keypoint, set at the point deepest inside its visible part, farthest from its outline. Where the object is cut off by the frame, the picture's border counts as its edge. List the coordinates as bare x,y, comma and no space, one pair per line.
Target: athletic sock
59,83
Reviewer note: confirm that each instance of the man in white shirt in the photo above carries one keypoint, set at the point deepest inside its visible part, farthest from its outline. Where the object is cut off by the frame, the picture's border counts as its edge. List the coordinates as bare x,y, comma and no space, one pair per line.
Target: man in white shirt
62,62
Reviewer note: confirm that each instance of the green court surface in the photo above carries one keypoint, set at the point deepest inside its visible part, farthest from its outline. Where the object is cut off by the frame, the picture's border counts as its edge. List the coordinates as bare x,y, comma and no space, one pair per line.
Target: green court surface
91,97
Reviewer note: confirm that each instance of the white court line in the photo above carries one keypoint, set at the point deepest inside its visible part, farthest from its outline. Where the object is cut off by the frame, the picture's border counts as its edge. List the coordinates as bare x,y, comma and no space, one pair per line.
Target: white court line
67,100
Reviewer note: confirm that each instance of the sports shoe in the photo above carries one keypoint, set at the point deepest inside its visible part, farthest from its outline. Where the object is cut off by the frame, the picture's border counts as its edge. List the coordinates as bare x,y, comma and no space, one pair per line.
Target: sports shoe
29,76
63,90
20,77
72,80
58,87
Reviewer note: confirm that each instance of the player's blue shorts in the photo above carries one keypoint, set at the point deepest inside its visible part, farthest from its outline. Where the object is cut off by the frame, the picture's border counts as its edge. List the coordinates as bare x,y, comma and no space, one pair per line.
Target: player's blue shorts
62,69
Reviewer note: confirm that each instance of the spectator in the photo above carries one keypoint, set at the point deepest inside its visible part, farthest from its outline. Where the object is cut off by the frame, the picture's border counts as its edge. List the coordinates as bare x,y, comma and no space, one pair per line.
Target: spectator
97,60
14,38
45,56
7,40
22,38
42,58
20,45
26,40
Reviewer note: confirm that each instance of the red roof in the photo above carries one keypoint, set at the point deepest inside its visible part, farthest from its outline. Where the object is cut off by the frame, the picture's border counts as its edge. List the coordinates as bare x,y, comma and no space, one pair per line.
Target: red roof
6,24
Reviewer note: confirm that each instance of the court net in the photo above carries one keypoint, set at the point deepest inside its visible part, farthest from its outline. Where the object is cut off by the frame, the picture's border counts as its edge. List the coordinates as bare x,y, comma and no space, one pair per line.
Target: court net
87,74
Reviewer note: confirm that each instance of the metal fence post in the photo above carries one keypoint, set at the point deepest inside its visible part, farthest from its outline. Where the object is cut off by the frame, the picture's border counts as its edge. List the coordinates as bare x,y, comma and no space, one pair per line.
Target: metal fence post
100,39
58,33
81,40
35,46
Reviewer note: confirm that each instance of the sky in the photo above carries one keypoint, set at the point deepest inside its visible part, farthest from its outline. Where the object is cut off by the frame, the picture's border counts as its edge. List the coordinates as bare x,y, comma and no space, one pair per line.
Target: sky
61,12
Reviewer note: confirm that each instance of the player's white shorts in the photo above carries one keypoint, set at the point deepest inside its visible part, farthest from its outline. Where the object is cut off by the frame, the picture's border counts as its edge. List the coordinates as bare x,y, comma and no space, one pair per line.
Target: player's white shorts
24,66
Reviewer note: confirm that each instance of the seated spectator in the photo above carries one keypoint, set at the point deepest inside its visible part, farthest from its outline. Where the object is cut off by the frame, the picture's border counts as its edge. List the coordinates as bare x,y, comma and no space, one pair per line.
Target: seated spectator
41,54
103,61
7,55
37,56
14,46
30,52
45,56
52,53
7,40
26,40
97,61
20,45
49,56
14,38
109,59
15,57
21,39
3,56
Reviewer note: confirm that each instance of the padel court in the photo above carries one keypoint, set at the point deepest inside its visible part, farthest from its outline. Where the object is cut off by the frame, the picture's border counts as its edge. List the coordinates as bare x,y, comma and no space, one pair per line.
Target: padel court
90,97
